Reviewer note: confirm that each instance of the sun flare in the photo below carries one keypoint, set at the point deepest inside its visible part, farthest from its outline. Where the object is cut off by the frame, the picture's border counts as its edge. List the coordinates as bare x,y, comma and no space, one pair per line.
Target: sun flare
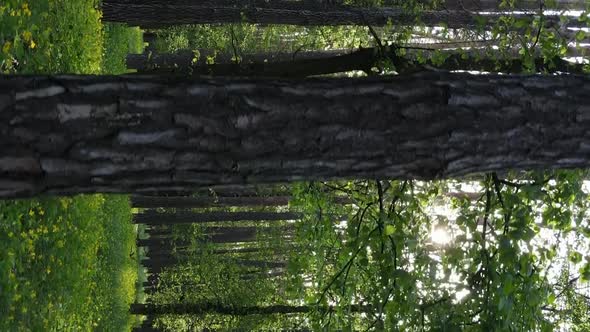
440,236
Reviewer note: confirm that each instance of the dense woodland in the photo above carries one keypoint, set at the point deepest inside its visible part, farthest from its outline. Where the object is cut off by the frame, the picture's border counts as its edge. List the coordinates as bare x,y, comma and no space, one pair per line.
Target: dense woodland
311,165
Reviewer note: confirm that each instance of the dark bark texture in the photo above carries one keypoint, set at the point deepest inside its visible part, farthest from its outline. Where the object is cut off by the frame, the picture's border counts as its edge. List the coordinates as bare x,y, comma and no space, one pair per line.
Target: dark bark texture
75,134
162,13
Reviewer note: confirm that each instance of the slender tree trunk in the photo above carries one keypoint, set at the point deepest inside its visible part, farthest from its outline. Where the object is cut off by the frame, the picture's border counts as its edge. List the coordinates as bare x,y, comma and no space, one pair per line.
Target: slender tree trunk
494,5
76,134
274,4
475,62
159,262
203,308
184,217
362,59
160,14
185,59
155,243
244,190
262,275
149,38
261,264
201,202
245,234
365,59
237,251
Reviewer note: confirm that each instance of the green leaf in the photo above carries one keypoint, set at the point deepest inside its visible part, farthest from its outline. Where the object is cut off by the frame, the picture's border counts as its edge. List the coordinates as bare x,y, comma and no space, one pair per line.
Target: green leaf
389,229
586,273
575,257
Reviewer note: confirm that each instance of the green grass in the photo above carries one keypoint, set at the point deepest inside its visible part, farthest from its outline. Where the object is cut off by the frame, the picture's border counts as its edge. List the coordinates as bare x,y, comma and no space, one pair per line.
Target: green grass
62,36
65,264
119,41
50,36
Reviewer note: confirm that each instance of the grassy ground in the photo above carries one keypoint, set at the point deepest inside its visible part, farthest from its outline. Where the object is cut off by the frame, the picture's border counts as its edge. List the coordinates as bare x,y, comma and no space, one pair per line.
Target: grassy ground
62,36
66,264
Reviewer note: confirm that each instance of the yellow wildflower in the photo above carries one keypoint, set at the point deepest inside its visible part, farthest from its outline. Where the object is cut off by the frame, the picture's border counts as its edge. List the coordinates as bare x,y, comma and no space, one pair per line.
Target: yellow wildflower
26,9
27,35
6,47
32,44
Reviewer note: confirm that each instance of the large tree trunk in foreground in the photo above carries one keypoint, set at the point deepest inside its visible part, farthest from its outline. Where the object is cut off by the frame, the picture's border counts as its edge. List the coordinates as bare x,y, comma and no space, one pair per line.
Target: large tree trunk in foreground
203,308
74,134
160,14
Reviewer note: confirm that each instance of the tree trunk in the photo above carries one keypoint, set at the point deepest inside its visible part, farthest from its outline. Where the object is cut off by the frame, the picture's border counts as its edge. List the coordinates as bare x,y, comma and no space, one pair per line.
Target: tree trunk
252,275
362,59
162,13
245,234
185,59
155,243
186,217
236,251
473,61
204,308
494,5
261,264
365,59
80,134
274,4
202,202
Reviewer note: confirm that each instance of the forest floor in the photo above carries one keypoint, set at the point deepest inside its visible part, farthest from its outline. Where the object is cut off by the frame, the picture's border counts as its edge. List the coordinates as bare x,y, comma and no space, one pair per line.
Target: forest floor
66,263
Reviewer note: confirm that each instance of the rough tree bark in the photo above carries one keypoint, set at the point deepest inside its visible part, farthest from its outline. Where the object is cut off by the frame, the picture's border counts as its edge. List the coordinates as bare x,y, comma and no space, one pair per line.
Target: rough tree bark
162,13
74,134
